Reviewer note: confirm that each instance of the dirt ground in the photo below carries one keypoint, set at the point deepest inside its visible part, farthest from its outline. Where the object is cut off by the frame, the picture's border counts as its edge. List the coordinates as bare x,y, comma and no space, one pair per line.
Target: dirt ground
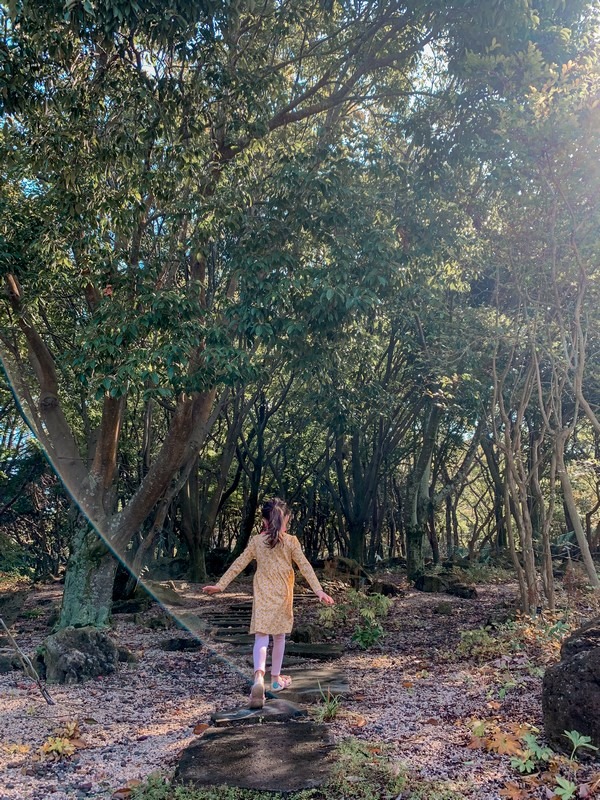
434,698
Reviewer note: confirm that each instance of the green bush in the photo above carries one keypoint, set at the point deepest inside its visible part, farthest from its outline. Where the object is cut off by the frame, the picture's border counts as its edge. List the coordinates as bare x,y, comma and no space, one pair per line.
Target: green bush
362,610
13,559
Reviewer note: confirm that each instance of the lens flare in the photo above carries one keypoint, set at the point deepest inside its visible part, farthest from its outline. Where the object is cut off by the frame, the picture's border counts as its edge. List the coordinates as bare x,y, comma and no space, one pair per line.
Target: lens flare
200,630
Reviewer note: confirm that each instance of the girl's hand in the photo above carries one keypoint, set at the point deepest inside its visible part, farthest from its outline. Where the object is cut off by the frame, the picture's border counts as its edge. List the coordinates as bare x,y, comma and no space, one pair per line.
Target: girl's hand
325,598
211,589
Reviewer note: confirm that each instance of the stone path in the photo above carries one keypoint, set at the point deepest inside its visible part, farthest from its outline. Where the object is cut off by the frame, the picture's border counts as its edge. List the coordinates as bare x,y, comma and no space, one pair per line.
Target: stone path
238,749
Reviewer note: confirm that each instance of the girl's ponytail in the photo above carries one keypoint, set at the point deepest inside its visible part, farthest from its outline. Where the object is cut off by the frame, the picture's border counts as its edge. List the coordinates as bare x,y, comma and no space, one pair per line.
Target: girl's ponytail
274,513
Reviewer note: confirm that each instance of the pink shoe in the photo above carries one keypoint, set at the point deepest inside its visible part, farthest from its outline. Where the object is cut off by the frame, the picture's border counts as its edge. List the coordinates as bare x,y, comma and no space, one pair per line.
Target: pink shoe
280,682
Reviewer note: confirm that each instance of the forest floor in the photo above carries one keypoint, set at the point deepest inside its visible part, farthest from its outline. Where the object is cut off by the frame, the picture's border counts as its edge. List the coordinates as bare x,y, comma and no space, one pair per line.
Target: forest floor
446,696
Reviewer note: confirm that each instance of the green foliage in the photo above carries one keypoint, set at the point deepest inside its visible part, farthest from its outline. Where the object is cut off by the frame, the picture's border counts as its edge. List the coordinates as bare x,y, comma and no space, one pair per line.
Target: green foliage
534,754
485,644
579,741
328,708
13,558
363,771
367,633
364,611
565,788
189,202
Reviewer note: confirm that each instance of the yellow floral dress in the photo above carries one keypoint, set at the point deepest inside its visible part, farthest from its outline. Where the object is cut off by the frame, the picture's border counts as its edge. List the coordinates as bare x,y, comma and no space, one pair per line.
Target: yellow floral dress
272,605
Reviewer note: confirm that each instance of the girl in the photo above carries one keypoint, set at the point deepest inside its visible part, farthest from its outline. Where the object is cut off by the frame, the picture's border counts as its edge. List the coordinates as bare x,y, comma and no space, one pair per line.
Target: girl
273,593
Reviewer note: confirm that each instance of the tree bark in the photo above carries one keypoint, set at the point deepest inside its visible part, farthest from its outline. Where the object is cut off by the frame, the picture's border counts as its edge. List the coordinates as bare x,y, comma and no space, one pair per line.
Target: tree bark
569,499
418,502
87,598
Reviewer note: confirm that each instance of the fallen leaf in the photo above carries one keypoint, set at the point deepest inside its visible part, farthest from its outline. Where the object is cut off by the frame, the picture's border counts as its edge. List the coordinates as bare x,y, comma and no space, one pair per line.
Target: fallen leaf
200,728
494,705
78,743
126,791
513,792
359,722
520,729
505,744
407,684
477,743
594,782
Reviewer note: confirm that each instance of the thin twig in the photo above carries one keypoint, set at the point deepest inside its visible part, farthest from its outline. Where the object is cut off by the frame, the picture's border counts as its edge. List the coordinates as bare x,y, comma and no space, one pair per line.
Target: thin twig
28,667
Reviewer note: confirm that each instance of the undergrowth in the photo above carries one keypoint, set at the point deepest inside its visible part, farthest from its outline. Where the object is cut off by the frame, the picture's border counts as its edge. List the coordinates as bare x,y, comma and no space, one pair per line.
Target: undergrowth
360,612
537,637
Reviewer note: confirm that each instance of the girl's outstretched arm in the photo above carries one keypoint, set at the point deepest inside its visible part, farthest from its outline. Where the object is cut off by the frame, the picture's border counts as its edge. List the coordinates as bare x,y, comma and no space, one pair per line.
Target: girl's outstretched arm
309,573
234,570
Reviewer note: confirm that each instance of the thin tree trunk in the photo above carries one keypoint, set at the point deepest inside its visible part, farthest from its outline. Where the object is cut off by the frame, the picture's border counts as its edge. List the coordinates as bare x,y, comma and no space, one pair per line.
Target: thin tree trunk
569,499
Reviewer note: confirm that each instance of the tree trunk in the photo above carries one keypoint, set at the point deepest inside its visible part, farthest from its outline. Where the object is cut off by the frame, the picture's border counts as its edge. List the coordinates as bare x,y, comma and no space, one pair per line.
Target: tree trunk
415,563
571,505
418,502
89,580
250,508
356,550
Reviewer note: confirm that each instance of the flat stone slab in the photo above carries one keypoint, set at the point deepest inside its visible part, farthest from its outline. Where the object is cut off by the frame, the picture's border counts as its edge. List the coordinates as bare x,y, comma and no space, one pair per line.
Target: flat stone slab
273,711
219,627
317,652
289,661
191,622
282,757
227,620
234,638
311,685
241,606
215,614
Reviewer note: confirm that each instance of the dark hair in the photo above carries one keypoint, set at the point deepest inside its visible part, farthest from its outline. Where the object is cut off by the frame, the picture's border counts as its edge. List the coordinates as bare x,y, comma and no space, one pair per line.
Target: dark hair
274,512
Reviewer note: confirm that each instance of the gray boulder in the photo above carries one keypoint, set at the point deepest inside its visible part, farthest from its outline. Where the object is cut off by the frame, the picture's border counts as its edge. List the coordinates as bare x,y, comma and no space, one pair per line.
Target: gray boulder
462,590
385,588
571,688
585,638
74,655
431,583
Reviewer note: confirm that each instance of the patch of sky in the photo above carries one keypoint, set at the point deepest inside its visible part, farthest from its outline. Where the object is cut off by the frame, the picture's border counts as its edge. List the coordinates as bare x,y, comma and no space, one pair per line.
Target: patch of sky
31,188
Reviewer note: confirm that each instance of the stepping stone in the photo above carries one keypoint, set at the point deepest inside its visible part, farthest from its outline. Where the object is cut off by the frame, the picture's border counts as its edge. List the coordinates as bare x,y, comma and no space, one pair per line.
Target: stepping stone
273,758
273,711
241,607
227,626
191,622
239,615
320,651
289,661
235,638
213,611
311,685
302,650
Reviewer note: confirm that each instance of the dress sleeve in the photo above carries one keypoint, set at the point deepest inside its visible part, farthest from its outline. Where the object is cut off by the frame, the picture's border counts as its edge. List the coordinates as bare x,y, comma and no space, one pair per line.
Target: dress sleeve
304,567
238,565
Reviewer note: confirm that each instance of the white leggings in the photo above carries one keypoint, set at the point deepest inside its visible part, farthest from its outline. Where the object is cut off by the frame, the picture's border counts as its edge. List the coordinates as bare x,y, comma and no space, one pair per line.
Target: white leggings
261,643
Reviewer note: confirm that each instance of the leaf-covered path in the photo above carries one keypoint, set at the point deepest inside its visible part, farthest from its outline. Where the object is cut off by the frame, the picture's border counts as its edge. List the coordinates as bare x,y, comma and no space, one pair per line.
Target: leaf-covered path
445,707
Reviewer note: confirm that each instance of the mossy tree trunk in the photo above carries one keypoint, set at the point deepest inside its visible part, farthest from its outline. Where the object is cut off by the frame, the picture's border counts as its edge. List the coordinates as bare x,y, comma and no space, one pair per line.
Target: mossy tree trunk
89,580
